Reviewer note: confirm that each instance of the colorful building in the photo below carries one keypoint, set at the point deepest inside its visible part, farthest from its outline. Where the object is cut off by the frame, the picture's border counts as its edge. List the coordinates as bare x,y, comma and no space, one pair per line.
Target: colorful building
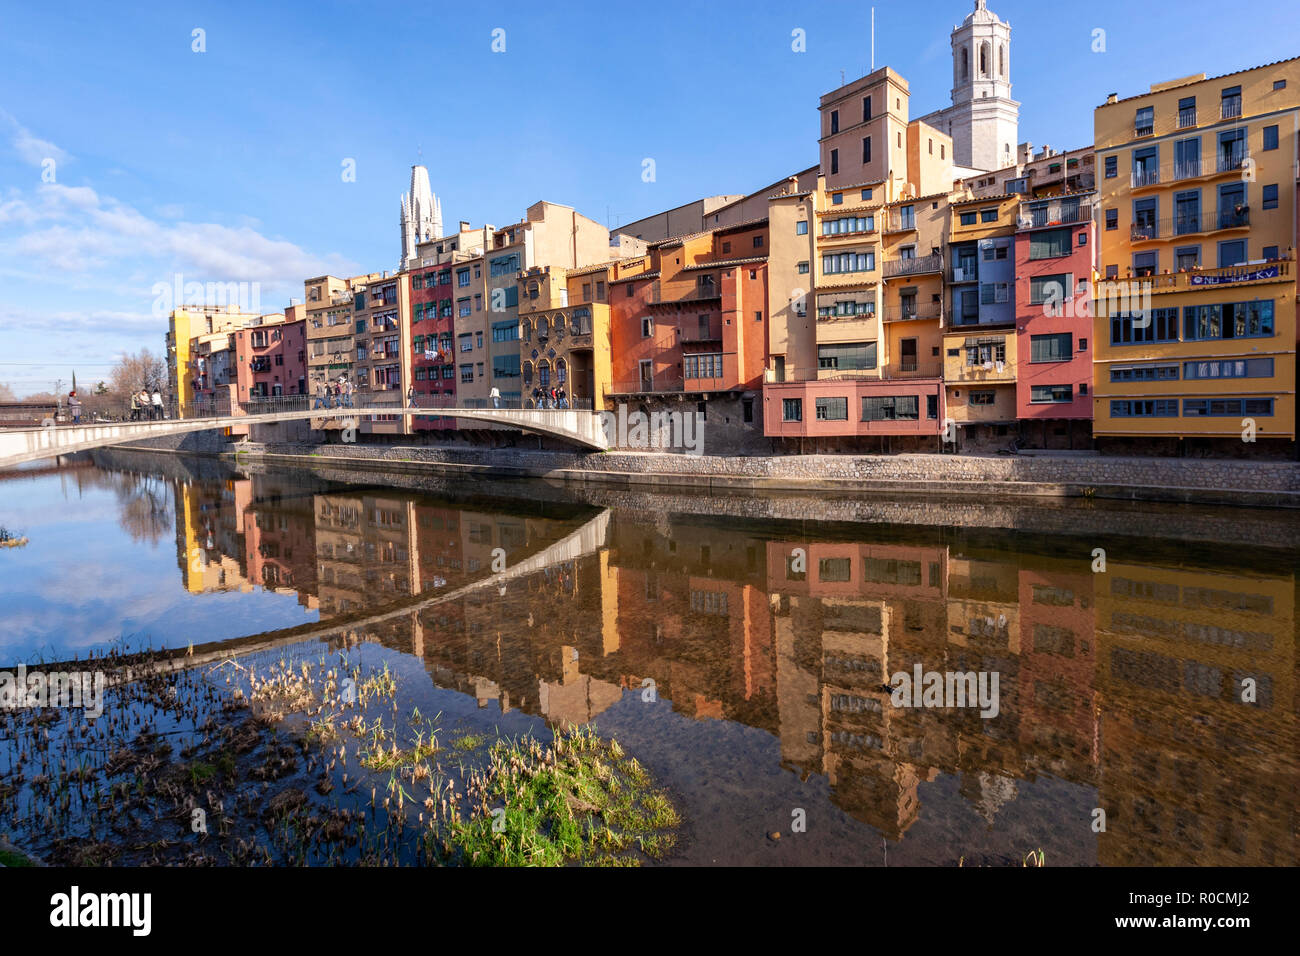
1055,251
185,325
1195,324
564,334
270,359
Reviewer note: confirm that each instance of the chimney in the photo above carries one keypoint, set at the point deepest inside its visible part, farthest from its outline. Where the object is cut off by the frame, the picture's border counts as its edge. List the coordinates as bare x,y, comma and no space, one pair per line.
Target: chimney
464,225
1112,98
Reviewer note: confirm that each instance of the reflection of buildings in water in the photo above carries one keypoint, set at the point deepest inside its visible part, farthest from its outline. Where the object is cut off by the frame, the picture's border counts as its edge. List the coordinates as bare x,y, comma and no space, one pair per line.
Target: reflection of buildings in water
210,551
727,627
245,533
1192,774
365,551
279,530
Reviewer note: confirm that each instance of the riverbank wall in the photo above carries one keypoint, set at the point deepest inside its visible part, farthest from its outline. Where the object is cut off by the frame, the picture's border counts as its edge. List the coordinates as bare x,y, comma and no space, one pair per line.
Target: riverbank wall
1179,480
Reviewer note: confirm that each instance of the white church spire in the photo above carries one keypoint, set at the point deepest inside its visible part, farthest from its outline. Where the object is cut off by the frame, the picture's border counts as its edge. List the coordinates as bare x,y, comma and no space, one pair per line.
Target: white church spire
421,214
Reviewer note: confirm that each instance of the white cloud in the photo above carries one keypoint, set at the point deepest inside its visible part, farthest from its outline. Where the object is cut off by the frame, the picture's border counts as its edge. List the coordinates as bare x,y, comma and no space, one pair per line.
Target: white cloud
29,147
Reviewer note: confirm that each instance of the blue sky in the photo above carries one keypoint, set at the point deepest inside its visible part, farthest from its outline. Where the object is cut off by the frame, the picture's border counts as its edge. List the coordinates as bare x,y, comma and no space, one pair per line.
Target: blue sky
226,165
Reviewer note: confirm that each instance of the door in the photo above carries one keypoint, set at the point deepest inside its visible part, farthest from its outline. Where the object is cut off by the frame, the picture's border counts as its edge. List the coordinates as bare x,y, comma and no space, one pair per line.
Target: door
907,355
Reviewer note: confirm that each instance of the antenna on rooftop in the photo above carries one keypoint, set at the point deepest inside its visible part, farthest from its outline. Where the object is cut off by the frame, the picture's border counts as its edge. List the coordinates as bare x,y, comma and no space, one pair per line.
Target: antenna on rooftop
873,39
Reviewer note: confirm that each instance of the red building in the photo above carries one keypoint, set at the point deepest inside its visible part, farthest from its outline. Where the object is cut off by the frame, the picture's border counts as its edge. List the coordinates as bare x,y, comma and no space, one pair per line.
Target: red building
1055,251
433,359
270,359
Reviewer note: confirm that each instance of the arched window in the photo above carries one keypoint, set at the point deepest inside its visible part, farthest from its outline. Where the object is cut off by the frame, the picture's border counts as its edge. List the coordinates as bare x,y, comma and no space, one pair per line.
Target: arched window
557,326
1002,60
528,373
543,331
526,330
984,58
561,371
965,64
544,373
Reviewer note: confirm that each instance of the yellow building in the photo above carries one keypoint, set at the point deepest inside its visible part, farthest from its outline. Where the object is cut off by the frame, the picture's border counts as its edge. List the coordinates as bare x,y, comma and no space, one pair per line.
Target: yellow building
185,326
1194,313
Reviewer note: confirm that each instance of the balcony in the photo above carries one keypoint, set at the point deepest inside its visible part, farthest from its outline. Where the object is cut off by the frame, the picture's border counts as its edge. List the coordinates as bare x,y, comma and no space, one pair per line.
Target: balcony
1243,274
260,365
1142,178
1230,108
660,296
648,385
923,312
992,372
921,265
1144,129
896,221
1187,118
968,273
908,369
707,332
1232,161
1190,224
1056,212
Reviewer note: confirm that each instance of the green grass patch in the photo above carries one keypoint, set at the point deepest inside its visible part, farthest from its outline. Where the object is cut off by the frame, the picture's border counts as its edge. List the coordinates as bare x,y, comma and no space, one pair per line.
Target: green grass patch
575,801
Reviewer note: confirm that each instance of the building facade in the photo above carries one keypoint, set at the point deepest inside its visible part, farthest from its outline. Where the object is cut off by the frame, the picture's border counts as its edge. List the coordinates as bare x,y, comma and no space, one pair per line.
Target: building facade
1195,324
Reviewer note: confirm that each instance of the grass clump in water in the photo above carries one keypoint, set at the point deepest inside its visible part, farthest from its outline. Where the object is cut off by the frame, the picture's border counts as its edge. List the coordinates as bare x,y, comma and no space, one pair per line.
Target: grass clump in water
575,801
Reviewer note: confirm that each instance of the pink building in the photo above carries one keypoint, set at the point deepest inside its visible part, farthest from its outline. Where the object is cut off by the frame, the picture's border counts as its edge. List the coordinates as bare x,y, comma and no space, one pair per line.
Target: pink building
270,359
835,411
1055,250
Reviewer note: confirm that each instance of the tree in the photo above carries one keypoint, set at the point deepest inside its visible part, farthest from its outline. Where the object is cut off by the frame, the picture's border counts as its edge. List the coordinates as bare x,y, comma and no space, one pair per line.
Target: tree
134,372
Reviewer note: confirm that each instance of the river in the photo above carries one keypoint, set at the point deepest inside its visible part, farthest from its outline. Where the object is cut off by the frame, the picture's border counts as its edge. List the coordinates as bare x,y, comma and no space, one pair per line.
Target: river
739,647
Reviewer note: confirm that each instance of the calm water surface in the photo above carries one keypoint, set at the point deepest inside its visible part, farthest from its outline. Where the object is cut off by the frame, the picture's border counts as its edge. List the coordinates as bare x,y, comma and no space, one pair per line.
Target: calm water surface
741,660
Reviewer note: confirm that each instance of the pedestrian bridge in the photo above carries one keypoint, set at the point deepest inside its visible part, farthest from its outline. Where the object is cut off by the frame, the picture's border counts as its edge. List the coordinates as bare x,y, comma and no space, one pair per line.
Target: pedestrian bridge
19,445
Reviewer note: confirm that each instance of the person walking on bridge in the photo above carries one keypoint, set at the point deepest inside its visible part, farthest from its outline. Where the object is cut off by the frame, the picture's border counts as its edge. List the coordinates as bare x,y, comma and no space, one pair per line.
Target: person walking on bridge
496,397
345,391
135,406
74,406
158,404
322,396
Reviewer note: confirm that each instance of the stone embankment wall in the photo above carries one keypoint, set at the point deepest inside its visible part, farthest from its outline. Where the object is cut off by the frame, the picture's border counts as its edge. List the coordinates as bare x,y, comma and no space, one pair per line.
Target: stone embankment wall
1206,481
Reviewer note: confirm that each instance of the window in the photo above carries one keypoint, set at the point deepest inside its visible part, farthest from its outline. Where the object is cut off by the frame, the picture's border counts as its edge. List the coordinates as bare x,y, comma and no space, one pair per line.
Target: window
832,409
1230,103
1112,218
1270,137
1270,196
967,219
702,366
758,242
1051,289
1144,121
1157,325
1056,347
478,340
1144,373
849,262
505,366
1145,263
988,215
1229,368
1229,320
1187,258
1145,408
835,161
792,409
992,293
1227,407
462,277
801,227
1112,166
835,121
466,342
982,398
866,108
847,356
505,331
1112,272
803,268
467,373
1054,394
837,199
1279,85
504,265
1270,253
1050,243
866,195
986,353
881,408
1232,252
647,327
866,149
